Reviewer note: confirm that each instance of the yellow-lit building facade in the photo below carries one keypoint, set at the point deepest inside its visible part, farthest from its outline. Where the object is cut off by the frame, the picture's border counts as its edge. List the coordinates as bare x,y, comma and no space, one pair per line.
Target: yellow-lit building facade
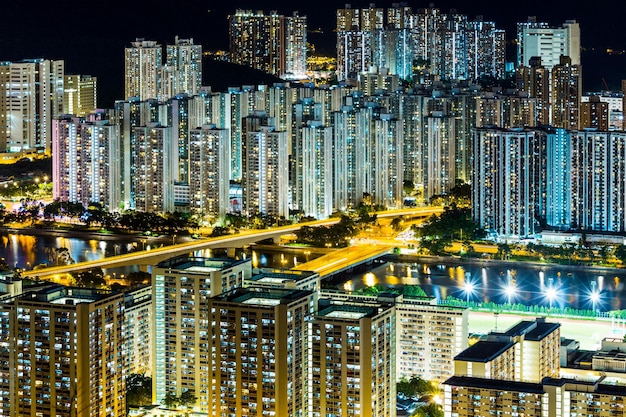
62,353
259,352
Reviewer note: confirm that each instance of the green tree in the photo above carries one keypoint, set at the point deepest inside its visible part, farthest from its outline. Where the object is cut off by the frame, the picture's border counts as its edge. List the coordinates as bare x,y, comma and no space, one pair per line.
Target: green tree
429,410
170,401
92,278
620,253
187,400
138,277
138,390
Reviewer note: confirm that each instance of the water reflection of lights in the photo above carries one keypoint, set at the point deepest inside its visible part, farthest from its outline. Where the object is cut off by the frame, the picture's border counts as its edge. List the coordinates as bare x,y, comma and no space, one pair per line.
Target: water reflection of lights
370,279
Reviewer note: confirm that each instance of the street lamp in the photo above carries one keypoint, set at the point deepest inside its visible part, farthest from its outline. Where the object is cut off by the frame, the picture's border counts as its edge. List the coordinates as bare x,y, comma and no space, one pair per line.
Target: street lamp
594,296
551,292
510,290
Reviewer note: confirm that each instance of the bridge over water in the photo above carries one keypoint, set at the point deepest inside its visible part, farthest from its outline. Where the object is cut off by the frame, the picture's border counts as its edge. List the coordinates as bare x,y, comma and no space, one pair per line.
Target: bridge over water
241,239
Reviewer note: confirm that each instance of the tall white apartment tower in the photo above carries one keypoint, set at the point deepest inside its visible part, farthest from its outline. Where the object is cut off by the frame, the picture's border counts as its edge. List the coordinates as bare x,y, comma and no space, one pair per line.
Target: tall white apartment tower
209,171
143,70
85,164
32,95
182,325
295,46
315,162
538,39
265,172
506,165
155,168
182,72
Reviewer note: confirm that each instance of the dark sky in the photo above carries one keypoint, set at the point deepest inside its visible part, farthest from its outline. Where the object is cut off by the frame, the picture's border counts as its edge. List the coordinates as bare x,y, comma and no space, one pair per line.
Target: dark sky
91,36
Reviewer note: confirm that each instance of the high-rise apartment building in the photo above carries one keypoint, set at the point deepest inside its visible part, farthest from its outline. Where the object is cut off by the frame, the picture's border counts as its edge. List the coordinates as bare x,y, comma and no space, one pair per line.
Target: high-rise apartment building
84,166
80,94
295,47
550,43
486,47
182,73
596,180
209,171
272,43
353,359
62,353
265,172
155,168
259,353
129,115
354,39
566,92
594,113
32,92
138,331
505,177
315,161
183,324
142,74
534,80
428,337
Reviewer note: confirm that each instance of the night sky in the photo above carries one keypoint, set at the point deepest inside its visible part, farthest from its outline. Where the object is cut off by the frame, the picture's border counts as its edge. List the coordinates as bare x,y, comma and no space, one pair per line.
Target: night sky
91,36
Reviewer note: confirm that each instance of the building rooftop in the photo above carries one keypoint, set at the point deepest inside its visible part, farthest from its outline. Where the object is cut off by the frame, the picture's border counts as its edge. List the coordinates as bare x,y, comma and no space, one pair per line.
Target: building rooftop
262,296
532,330
59,294
495,384
347,311
199,265
484,351
280,276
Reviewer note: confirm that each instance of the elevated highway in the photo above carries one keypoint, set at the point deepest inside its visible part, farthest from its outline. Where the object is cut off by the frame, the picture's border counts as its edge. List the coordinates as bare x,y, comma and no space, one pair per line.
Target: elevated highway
241,239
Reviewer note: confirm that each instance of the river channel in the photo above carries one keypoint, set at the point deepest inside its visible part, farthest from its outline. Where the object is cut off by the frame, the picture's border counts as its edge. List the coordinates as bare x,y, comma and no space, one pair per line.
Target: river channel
563,286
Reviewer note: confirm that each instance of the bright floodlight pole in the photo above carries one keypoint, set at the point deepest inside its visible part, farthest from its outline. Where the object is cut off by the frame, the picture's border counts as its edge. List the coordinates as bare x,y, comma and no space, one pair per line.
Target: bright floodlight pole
469,289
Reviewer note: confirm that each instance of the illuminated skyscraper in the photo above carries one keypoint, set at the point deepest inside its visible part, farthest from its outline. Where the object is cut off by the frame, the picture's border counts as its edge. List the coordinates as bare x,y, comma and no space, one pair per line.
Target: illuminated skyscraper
62,353
594,113
127,116
144,60
184,327
598,179
354,39
539,39
353,360
295,46
84,161
505,181
80,94
534,80
486,46
32,95
209,171
138,330
259,352
155,163
565,94
182,72
272,43
315,162
386,179
265,172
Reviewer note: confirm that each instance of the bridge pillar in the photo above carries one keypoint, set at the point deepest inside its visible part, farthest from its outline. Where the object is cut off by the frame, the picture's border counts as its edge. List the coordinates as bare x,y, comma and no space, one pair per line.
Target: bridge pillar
230,252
